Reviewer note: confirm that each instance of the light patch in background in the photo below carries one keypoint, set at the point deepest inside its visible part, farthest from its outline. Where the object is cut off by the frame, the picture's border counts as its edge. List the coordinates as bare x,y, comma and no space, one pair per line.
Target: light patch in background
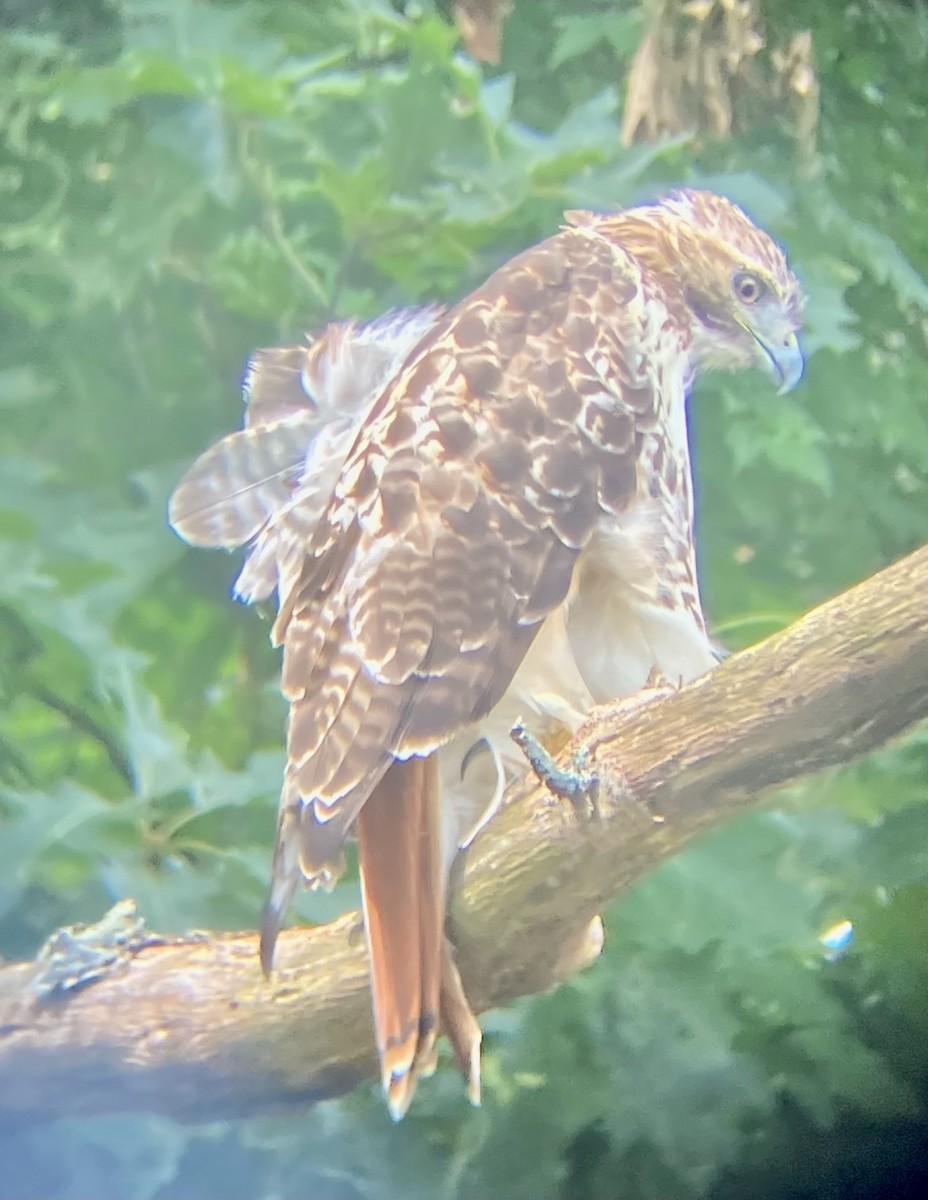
837,939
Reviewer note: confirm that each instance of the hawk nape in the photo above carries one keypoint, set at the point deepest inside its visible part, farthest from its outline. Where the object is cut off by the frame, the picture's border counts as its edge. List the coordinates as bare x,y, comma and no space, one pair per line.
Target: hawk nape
473,515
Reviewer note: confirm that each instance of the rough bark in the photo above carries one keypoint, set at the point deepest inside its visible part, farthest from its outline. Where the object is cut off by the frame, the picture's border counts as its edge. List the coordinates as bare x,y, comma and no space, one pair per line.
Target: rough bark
195,1031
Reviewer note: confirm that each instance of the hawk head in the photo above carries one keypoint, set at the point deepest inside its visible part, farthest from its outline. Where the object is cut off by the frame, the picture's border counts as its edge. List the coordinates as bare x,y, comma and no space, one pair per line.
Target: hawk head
727,281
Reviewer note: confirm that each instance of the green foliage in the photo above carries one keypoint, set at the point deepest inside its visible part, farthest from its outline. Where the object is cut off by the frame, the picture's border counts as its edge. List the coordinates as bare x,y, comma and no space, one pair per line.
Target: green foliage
180,183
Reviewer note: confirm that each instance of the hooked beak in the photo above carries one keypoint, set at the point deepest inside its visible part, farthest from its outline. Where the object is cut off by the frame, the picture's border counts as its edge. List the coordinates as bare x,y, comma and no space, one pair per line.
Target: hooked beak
781,358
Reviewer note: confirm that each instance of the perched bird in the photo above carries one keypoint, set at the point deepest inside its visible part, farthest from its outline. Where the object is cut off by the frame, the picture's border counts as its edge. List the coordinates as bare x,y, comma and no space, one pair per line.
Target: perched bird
472,515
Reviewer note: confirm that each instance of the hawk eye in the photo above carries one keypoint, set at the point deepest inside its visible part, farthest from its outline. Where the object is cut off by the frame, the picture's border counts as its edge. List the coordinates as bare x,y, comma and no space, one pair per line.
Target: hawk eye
748,287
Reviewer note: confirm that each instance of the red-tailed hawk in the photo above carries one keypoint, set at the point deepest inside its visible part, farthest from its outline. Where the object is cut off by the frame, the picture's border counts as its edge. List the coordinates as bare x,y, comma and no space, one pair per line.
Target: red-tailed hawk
473,515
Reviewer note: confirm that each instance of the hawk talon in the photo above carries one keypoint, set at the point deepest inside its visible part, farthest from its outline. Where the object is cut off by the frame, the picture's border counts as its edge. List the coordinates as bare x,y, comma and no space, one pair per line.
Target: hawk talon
578,784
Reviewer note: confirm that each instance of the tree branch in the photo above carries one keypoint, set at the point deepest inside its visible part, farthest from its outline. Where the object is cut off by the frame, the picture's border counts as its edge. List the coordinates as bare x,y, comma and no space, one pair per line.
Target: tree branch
193,1029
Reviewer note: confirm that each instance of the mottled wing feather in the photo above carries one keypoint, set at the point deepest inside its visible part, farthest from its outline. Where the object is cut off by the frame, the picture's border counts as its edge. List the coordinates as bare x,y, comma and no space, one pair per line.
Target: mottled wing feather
277,552
269,483
340,370
278,381
476,479
228,494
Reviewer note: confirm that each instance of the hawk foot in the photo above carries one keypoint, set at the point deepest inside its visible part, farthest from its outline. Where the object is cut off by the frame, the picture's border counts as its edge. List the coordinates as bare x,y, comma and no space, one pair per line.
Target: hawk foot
579,784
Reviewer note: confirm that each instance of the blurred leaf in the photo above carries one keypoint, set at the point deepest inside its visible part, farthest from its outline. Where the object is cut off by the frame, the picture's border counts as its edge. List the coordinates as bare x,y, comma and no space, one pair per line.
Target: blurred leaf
578,34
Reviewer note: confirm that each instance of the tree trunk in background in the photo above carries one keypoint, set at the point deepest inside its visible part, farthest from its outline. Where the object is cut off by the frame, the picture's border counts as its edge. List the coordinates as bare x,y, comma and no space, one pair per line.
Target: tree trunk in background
714,67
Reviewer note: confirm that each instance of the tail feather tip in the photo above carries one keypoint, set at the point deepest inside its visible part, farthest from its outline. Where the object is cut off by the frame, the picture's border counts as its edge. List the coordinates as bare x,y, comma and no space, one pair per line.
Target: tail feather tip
399,1090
